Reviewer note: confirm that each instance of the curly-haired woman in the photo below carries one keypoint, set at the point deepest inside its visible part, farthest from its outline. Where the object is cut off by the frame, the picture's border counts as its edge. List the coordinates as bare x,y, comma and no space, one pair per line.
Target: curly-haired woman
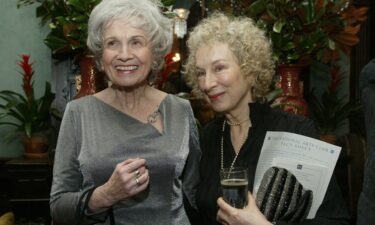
230,63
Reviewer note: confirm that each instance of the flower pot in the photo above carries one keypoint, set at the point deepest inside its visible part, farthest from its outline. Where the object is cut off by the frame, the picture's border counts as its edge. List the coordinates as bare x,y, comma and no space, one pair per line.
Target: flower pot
92,80
36,146
291,99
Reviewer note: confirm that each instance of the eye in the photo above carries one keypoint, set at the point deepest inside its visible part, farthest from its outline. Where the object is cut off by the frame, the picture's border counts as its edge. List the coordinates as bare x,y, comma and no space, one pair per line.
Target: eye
218,68
200,73
111,44
138,43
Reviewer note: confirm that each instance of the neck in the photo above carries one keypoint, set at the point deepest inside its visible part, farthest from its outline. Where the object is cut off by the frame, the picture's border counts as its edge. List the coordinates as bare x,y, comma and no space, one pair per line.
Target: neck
129,100
239,117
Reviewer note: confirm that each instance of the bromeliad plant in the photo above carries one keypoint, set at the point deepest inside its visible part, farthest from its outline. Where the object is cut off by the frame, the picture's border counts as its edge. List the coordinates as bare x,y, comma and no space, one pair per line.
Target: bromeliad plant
27,114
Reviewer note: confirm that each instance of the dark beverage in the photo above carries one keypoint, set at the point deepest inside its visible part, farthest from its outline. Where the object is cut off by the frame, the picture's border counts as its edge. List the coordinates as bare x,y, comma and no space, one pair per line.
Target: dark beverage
235,192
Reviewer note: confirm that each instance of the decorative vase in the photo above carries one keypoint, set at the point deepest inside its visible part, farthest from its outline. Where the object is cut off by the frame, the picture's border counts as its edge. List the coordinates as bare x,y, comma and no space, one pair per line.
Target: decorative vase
36,146
291,99
91,80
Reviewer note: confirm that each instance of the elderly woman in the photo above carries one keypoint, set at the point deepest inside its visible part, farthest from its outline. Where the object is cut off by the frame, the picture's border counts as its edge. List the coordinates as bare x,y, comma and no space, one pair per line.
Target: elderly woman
231,64
128,154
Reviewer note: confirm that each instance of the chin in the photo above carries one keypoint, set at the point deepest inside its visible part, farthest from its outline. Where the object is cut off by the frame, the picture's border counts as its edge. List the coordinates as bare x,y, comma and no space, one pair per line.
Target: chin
219,108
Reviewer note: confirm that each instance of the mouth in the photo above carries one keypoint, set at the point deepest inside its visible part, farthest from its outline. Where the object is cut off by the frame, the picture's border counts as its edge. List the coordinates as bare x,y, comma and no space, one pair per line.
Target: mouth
126,68
214,97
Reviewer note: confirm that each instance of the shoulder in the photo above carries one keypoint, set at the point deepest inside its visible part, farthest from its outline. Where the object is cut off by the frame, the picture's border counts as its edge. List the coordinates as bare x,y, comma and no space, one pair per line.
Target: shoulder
79,105
274,119
178,100
178,104
279,120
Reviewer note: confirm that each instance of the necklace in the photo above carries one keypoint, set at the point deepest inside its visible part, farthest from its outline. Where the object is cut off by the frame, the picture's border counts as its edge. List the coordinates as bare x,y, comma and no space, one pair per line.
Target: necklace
222,148
236,123
153,116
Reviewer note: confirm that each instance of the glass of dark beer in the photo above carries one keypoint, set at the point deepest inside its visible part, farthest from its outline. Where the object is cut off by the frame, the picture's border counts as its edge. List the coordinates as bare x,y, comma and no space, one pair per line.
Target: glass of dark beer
234,185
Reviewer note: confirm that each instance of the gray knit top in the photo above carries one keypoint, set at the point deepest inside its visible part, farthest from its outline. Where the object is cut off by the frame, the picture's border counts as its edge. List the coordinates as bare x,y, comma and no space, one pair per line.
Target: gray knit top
94,137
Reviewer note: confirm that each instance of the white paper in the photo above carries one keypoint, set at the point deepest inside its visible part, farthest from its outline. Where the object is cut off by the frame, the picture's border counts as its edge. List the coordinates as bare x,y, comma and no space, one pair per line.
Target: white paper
312,162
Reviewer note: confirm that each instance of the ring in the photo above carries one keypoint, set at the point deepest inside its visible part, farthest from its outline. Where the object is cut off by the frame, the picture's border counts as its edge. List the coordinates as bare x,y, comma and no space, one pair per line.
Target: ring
136,173
137,181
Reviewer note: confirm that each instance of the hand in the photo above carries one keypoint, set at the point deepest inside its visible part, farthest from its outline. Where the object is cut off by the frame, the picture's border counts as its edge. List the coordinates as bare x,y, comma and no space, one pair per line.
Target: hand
250,215
129,178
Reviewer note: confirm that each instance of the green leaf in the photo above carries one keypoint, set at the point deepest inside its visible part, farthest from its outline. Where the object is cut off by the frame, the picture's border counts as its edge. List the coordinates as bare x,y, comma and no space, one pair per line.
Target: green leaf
278,26
168,2
56,44
257,7
331,44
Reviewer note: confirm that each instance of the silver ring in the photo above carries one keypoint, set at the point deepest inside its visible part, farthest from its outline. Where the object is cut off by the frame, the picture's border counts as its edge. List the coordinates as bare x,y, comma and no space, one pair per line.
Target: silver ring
137,181
137,173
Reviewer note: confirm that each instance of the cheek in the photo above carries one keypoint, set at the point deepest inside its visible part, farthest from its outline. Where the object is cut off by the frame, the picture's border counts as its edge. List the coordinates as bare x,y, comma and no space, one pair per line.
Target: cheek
200,83
106,58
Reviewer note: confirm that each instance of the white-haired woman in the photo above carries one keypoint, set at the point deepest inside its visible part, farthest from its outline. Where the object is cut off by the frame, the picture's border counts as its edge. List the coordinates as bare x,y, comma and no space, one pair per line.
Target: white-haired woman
128,154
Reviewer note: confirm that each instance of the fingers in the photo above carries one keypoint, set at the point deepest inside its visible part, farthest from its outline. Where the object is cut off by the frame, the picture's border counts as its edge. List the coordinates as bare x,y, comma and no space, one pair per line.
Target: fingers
224,210
140,177
225,207
129,178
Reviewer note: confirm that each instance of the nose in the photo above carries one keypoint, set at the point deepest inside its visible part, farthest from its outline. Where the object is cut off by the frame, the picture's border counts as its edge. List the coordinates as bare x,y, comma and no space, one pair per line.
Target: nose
124,52
208,82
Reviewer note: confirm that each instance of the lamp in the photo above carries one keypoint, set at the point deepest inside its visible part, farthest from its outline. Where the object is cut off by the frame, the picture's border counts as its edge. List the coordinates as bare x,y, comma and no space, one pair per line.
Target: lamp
181,8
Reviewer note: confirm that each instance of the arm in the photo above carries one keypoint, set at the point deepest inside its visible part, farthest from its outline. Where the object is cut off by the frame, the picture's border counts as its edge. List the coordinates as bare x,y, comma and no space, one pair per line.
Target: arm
66,191
191,170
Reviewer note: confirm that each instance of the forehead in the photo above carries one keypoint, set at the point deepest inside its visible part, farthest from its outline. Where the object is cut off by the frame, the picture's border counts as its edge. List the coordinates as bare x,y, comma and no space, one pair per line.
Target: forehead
213,52
124,27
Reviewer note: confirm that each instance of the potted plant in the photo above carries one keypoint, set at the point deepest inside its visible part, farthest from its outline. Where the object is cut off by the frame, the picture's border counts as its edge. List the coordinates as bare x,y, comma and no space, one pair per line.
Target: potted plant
30,116
329,110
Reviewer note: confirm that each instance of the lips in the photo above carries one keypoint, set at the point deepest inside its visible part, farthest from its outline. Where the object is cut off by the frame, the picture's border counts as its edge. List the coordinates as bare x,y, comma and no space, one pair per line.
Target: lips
126,68
214,97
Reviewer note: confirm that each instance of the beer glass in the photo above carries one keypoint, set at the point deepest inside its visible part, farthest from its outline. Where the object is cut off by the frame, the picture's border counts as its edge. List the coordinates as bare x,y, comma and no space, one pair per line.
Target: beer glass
234,186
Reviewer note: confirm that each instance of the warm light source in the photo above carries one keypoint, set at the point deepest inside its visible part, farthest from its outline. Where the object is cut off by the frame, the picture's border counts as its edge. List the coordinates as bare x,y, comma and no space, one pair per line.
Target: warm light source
180,26
176,57
181,9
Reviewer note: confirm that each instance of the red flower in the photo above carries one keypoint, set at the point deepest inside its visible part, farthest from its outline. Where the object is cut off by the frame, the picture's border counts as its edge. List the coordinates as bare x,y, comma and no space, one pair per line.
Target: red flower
27,74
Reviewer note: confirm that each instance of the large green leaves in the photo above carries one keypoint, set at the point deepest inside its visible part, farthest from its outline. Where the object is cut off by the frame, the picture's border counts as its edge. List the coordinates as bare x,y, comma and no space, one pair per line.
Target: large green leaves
27,116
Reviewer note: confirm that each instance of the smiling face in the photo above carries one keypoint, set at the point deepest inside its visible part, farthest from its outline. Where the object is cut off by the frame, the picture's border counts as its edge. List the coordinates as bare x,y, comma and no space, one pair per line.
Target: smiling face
220,78
127,55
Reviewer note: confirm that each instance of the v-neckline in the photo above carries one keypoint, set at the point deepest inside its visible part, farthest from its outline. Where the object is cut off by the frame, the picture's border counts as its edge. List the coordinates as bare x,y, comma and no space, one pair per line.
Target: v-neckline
135,120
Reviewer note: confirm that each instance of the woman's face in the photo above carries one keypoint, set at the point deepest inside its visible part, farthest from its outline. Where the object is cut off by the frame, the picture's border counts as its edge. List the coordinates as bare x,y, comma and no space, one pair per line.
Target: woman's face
127,55
220,78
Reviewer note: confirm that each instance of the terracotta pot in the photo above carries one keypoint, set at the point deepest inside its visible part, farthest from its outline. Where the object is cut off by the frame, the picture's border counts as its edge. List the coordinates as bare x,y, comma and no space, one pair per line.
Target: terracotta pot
92,80
36,146
291,99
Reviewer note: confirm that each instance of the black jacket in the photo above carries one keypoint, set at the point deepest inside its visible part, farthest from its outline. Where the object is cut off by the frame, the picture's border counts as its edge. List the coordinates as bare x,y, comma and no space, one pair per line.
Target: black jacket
263,119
